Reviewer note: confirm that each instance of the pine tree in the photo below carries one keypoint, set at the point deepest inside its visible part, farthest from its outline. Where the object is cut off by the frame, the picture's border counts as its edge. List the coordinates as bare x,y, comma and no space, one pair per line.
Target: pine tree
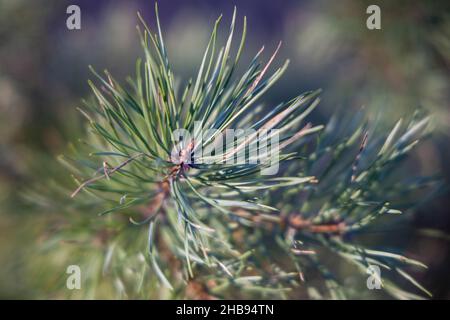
171,227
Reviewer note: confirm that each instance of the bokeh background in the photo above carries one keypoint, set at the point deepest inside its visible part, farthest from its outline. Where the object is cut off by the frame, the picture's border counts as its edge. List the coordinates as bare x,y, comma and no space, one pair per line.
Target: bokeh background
44,70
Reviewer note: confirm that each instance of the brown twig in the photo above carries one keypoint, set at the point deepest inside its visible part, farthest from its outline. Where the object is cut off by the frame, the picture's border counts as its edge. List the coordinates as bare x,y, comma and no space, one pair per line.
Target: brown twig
106,173
298,223
294,221
198,291
156,204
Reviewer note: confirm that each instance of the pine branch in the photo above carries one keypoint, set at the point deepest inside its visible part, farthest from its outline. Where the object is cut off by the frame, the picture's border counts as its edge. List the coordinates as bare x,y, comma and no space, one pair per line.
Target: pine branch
218,226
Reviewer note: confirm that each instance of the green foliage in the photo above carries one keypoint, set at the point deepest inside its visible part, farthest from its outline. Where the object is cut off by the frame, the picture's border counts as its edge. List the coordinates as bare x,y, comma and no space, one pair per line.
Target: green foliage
224,230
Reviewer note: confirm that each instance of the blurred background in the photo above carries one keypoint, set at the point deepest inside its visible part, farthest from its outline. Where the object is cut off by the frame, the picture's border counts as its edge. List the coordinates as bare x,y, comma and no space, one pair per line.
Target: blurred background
44,70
